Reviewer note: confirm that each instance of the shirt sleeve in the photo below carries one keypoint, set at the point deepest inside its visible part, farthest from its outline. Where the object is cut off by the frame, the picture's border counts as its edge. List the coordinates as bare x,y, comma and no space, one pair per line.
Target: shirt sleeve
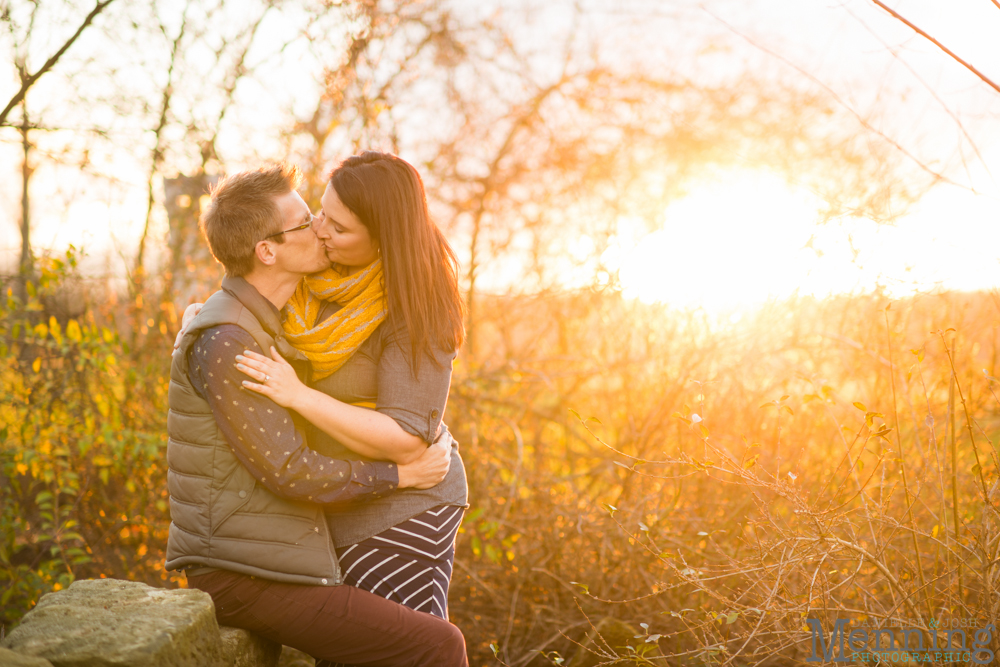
264,437
416,403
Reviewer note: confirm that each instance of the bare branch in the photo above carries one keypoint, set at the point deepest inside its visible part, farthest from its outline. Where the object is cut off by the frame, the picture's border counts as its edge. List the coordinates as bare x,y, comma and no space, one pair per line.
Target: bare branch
896,15
938,177
28,81
930,89
158,149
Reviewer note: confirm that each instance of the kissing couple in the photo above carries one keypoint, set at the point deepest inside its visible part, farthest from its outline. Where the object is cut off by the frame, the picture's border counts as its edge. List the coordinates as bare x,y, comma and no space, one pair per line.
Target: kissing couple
315,492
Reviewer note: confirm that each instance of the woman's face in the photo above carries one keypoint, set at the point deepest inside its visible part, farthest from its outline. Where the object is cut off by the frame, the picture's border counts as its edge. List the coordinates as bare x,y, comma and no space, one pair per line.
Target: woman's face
347,241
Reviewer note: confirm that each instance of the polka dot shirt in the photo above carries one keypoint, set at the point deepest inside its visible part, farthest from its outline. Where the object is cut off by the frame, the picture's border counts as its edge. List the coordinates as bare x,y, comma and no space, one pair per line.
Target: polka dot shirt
264,436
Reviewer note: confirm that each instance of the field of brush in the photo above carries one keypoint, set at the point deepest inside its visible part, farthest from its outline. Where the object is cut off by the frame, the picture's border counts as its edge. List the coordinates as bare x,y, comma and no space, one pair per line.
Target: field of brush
714,485
723,484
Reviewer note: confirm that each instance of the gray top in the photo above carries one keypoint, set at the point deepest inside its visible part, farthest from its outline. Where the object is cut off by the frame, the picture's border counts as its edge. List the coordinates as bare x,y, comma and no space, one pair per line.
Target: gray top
379,372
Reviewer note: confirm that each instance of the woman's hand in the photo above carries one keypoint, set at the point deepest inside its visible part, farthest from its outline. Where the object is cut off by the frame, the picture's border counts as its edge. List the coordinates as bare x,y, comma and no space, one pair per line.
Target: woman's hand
189,314
275,378
429,469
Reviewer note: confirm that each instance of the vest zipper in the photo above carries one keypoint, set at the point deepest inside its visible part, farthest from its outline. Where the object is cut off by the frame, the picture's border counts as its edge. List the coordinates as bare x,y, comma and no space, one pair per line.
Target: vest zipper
338,577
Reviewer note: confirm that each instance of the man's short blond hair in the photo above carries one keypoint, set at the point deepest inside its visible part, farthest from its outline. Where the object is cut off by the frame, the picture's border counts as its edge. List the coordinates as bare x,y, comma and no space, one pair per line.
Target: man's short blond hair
243,211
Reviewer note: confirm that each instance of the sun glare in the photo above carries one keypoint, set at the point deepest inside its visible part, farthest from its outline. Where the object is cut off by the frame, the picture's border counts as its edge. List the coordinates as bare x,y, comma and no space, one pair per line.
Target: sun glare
731,242
745,238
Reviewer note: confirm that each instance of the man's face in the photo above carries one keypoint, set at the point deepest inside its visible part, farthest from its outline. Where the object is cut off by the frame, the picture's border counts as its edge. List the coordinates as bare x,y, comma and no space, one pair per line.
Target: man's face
301,252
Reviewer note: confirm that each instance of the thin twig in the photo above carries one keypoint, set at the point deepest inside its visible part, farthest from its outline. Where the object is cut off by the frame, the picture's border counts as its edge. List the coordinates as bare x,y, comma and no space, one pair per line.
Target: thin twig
899,17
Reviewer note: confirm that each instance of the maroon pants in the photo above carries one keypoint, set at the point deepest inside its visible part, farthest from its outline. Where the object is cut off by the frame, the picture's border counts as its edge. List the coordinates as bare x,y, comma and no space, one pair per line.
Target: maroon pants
334,624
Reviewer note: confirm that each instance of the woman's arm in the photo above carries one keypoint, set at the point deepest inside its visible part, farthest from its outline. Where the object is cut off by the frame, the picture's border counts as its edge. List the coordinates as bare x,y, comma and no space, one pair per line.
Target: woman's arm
367,432
364,431
265,439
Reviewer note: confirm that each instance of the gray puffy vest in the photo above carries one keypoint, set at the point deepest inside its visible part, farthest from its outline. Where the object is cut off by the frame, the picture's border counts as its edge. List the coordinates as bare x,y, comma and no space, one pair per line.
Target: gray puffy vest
220,516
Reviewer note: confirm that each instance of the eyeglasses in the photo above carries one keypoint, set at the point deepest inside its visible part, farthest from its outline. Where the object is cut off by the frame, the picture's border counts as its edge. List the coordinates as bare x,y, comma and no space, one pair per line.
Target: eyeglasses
304,225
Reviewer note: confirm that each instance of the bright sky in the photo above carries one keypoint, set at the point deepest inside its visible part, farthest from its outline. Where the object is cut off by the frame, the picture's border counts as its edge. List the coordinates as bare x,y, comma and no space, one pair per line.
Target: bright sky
741,236
749,236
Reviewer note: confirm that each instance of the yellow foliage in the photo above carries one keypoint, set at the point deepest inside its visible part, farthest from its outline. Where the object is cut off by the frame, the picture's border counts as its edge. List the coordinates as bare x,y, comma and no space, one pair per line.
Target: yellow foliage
73,331
79,432
55,330
102,404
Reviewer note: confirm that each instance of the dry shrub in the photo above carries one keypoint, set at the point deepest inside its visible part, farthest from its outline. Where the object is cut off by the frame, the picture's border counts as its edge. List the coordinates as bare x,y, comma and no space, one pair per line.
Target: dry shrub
724,483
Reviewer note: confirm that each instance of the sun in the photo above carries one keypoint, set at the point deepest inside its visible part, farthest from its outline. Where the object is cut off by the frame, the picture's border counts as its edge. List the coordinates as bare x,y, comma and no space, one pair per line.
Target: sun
746,237
740,239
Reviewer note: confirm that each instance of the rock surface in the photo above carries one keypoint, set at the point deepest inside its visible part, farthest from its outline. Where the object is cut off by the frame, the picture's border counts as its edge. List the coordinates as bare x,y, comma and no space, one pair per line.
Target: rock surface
9,658
291,657
245,649
109,622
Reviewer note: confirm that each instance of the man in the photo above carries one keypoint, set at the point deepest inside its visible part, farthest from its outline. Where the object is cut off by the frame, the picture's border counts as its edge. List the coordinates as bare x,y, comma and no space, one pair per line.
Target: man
247,497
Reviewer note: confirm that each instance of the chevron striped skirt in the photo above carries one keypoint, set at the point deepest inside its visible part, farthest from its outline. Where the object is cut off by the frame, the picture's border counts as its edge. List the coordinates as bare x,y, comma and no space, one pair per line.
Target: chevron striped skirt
409,563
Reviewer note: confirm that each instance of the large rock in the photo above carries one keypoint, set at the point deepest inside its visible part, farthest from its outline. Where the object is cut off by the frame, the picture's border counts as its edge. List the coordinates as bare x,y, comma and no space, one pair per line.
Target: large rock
245,649
9,658
116,623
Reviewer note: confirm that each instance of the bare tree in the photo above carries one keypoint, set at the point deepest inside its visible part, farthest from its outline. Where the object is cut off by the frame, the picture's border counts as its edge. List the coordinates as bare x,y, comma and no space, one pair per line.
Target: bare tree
228,64
22,35
156,159
362,93
575,155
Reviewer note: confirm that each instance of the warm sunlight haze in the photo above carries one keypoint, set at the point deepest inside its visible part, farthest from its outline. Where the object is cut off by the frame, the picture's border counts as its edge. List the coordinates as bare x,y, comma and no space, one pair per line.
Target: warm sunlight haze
744,238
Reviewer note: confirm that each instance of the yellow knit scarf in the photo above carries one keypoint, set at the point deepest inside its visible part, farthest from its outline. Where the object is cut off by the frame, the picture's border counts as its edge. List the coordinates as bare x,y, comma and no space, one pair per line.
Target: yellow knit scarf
331,342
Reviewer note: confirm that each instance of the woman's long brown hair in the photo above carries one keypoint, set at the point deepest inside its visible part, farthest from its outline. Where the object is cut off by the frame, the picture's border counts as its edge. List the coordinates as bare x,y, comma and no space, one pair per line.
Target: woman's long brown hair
419,267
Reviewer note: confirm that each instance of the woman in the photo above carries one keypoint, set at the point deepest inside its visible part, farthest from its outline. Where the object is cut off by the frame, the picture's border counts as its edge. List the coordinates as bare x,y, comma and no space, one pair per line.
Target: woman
381,329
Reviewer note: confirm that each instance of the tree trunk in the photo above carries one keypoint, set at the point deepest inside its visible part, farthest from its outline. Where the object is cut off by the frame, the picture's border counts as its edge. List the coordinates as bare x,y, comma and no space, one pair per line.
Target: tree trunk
470,297
26,266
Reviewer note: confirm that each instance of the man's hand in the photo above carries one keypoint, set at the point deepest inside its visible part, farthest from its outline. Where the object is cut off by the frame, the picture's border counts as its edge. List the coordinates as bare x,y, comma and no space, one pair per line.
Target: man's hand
189,314
429,469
